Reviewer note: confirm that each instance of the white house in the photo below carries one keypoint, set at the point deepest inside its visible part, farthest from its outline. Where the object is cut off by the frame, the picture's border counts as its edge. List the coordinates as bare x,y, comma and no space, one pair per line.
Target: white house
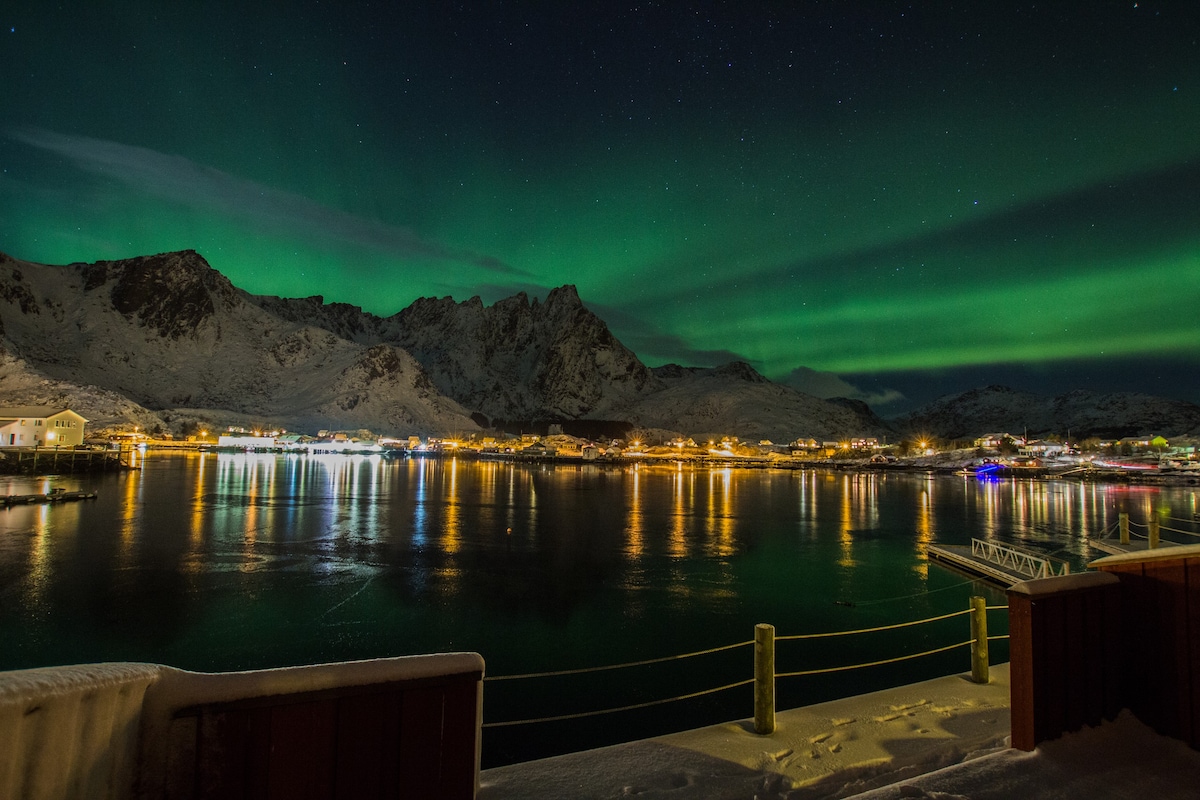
1040,449
40,426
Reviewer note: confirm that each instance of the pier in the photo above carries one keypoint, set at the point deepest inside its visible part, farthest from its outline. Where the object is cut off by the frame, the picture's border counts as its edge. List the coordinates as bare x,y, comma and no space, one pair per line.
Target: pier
55,461
1003,565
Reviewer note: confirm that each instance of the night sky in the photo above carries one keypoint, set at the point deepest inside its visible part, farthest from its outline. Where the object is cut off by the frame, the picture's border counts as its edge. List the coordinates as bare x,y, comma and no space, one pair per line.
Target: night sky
885,200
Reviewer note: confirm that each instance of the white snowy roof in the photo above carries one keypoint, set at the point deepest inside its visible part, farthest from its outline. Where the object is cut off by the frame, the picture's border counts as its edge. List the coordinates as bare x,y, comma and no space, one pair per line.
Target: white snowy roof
33,412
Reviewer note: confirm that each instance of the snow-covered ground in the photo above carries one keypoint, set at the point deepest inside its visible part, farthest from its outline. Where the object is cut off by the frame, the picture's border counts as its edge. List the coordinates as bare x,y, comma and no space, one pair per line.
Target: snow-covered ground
1119,759
946,738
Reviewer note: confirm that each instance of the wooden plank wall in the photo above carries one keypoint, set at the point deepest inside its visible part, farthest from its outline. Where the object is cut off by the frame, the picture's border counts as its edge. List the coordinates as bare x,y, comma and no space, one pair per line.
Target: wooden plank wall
407,739
1160,601
1064,653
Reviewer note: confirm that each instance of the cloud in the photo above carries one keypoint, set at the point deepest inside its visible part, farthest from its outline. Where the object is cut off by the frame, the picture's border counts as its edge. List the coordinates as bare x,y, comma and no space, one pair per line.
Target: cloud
180,180
827,384
652,345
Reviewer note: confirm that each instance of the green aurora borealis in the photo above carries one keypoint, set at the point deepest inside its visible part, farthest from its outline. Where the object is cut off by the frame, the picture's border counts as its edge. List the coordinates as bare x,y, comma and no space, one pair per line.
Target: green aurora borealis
916,197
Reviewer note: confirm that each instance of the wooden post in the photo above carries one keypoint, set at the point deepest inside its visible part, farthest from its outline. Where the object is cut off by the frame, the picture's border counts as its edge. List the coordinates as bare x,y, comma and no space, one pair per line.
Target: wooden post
980,672
764,679
1153,525
1124,521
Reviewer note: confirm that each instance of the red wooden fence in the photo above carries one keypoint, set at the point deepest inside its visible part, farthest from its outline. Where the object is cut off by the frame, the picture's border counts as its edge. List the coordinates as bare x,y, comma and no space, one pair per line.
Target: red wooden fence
1082,647
1160,605
315,736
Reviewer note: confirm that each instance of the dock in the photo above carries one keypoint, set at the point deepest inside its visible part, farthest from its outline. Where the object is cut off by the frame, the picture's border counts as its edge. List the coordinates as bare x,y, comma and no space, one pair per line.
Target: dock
58,461
1116,547
53,496
1000,564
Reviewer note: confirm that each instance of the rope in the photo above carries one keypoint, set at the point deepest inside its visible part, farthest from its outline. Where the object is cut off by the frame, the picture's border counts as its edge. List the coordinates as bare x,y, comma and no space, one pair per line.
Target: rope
910,596
1176,530
870,630
582,670
646,704
1192,521
872,663
1104,534
997,638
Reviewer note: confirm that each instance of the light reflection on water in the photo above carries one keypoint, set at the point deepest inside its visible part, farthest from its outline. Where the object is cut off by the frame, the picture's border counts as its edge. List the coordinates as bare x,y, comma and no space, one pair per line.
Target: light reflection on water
230,561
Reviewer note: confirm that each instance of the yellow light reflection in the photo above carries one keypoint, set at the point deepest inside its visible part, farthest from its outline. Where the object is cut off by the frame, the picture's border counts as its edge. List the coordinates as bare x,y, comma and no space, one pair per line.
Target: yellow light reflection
198,516
677,536
451,539
924,530
39,558
633,515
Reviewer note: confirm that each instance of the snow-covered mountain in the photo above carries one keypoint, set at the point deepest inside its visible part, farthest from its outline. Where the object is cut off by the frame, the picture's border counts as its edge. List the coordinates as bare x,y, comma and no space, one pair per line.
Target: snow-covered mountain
1082,413
163,340
523,360
158,340
556,360
173,336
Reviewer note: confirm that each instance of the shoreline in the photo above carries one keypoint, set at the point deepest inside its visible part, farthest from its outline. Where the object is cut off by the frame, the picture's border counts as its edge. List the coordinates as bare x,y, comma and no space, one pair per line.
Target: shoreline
949,464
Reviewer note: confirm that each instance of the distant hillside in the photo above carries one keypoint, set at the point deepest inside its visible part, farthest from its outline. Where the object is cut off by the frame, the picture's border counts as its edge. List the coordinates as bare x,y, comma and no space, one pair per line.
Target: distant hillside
710,402
1082,413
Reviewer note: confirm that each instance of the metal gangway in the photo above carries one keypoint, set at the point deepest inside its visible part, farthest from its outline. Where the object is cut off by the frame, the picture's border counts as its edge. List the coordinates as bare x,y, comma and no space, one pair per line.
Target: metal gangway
1019,561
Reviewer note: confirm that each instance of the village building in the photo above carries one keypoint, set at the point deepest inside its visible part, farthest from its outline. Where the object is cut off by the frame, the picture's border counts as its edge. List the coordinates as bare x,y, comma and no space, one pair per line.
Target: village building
539,448
40,426
994,441
234,441
1043,449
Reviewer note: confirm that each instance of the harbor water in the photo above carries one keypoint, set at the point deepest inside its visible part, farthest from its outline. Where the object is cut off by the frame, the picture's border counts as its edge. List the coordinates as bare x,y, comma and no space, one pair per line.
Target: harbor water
218,562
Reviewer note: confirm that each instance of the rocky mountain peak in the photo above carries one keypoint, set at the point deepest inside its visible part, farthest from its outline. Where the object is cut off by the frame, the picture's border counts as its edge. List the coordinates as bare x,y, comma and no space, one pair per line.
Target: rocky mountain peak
170,293
566,295
739,370
564,356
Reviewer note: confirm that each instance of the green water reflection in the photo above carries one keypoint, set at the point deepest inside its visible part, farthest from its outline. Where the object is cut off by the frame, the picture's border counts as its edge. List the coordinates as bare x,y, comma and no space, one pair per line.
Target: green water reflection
223,561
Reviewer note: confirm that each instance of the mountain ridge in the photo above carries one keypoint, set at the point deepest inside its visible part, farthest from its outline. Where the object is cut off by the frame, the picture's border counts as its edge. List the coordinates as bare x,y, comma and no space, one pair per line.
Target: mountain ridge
166,340
175,339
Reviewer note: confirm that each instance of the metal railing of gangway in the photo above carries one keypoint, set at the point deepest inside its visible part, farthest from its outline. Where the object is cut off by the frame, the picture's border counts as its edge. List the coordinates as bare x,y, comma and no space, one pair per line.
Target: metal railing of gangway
1019,561
764,665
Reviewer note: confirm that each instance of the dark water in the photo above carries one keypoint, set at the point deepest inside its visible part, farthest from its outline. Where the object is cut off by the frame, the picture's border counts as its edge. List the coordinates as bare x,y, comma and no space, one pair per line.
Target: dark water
221,562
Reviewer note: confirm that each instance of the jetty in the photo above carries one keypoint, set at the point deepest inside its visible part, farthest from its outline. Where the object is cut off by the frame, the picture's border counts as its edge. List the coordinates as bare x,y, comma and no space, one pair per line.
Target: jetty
1001,564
